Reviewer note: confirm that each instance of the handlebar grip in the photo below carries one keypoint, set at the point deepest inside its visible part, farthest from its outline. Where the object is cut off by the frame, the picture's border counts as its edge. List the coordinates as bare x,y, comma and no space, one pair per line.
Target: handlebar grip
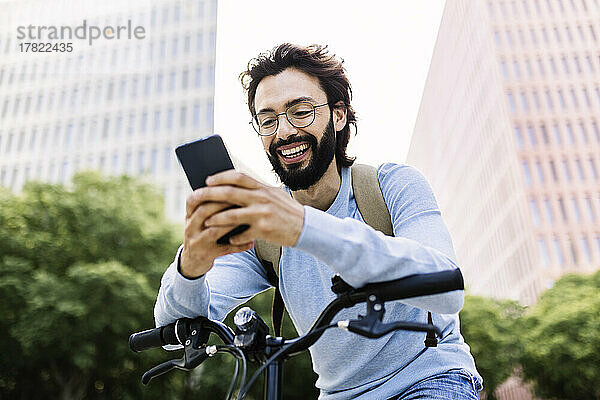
418,285
152,338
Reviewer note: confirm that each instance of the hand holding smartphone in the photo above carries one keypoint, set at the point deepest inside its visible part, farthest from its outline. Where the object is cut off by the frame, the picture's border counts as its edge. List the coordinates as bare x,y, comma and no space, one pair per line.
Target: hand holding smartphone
202,158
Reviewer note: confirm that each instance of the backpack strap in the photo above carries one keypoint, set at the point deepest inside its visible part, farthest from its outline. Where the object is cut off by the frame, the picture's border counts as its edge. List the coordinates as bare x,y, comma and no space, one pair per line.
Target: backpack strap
372,207
369,198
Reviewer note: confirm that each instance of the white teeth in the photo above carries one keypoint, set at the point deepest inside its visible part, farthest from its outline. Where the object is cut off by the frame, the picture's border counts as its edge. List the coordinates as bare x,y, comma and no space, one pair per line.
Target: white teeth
293,150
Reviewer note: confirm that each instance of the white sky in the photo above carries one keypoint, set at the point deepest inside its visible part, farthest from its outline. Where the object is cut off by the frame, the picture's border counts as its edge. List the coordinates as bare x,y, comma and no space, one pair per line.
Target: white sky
386,45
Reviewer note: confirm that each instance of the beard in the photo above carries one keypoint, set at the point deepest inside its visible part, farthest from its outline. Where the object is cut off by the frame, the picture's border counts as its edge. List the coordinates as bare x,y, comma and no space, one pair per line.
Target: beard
296,178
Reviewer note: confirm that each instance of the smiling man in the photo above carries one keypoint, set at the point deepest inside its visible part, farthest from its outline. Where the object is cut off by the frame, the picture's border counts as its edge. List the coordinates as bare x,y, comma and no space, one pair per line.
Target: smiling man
299,99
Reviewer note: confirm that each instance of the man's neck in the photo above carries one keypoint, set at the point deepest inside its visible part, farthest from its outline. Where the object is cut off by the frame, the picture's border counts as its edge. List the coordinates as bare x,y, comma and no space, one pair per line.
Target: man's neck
322,194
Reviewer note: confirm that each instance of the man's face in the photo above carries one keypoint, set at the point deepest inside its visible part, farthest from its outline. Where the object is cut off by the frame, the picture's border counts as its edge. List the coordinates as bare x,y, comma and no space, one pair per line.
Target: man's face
308,151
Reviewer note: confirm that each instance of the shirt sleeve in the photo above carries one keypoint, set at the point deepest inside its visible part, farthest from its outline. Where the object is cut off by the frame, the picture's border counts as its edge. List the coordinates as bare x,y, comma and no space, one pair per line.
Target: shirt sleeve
360,254
233,280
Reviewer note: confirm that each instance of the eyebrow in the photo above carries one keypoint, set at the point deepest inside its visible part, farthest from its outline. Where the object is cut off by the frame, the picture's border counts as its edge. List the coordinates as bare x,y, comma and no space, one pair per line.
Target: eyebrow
288,103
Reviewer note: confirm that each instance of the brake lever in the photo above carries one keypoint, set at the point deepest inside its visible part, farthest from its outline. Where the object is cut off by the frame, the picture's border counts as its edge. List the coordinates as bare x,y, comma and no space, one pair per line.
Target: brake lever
371,326
194,353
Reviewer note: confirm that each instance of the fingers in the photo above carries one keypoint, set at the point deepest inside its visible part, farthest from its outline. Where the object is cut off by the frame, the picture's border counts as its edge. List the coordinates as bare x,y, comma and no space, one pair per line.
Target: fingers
233,178
233,216
196,221
212,234
226,194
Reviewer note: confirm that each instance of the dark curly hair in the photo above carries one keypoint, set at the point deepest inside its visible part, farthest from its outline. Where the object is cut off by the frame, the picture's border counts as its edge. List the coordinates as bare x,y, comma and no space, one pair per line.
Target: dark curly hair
313,60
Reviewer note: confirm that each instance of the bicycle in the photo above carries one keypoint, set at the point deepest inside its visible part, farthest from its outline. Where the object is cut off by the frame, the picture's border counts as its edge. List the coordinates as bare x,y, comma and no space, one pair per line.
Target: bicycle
251,340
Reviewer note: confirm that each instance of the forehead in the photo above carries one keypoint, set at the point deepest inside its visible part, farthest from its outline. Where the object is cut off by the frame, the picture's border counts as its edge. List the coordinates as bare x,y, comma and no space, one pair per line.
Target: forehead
275,90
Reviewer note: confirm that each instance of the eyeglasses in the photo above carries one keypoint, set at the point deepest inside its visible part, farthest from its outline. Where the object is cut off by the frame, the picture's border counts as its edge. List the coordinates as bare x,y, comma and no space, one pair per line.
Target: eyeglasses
300,115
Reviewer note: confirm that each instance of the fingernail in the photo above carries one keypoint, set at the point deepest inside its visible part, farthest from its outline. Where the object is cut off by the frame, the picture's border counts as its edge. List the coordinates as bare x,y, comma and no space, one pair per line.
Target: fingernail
209,180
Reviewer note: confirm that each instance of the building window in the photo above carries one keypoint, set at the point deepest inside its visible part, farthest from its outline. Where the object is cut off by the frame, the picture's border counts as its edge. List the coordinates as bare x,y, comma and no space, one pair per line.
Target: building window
574,98
516,69
504,68
199,42
196,115
531,135
584,135
198,77
548,207
586,96
170,113
182,116
131,125
553,170
590,208
159,82
540,171
115,163
144,122
541,67
580,170
590,63
545,134
519,137
156,120
586,248
174,47
172,81
563,210
167,160
186,44
593,168
543,252
549,100
535,214
528,68
566,170
553,66
153,161
561,99
596,131
558,252
184,79
141,162
118,125
524,104
576,208
570,133
147,84
536,100
526,173
209,114
571,246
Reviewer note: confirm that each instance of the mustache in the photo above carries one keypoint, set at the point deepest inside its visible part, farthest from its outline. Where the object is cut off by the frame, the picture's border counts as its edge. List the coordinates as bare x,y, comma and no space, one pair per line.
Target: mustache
294,139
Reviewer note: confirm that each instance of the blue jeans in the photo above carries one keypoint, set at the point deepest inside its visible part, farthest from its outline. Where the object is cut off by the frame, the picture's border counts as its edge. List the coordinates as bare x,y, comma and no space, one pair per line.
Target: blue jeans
456,384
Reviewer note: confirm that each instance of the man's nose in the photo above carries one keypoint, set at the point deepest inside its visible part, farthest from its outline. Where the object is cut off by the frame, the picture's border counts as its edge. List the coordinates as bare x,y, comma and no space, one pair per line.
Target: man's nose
285,129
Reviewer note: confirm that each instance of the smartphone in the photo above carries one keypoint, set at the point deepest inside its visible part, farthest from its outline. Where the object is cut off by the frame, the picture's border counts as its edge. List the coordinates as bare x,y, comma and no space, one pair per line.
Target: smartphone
202,158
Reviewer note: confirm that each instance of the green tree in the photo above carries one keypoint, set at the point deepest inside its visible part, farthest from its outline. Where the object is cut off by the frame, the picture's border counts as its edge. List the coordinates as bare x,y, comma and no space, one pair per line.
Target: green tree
561,340
80,268
490,327
79,271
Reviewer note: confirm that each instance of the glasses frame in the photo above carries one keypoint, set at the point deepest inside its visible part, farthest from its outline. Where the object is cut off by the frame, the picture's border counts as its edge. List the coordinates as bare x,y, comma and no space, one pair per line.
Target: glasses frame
314,115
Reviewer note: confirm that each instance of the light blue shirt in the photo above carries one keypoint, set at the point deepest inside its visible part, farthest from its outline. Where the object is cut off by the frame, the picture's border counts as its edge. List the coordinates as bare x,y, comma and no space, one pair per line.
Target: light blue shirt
338,241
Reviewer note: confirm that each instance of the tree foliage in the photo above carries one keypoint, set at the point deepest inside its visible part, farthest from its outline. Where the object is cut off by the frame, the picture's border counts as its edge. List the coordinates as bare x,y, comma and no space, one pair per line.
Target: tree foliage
79,271
561,340
490,327
80,268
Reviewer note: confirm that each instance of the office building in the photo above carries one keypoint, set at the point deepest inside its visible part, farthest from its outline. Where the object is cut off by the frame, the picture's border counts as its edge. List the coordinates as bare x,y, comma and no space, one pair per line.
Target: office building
508,135
117,105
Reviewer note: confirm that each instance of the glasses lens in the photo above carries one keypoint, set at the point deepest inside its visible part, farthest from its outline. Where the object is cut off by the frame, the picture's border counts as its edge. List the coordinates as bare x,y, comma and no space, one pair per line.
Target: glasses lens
301,115
265,123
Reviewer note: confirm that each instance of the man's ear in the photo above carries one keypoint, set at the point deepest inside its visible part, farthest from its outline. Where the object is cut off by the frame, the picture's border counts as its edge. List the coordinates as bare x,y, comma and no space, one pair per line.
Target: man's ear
339,115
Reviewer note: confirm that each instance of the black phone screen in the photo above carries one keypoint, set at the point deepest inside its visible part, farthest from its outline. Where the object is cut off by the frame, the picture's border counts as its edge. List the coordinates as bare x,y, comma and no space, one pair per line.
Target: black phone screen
202,158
